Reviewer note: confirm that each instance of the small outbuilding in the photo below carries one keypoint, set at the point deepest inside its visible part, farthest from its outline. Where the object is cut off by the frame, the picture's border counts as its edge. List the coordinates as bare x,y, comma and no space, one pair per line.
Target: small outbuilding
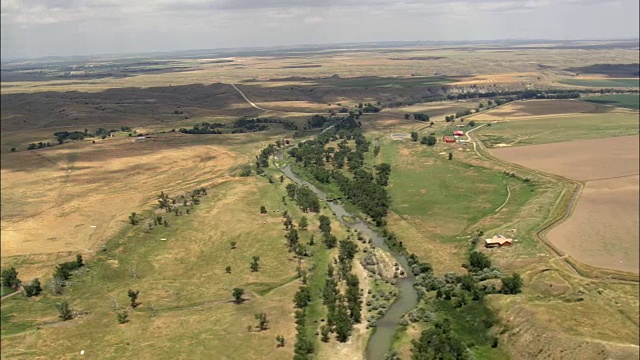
458,133
498,241
448,139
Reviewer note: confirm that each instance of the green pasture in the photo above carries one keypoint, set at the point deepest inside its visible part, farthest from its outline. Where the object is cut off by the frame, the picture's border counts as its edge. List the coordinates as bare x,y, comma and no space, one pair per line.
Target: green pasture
630,101
550,130
605,83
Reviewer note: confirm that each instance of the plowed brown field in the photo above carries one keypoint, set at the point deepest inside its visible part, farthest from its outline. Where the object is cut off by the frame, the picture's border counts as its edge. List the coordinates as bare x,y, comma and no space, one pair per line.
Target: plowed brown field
580,160
603,229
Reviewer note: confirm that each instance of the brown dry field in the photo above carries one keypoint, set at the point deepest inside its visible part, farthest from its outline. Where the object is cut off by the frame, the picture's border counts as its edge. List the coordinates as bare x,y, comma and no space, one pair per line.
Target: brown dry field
536,108
579,160
606,214
603,229
52,197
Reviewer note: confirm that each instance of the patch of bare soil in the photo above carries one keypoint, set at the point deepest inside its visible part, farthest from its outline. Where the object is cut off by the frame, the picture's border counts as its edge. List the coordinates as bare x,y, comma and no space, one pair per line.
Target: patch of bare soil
603,230
579,160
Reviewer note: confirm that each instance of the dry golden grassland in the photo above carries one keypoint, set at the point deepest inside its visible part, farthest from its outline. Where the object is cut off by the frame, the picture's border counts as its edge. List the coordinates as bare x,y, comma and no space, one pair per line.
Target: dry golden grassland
52,197
475,66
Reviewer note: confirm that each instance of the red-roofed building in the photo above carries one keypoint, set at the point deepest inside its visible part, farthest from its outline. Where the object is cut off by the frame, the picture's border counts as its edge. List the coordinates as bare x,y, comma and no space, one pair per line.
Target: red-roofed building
458,133
448,139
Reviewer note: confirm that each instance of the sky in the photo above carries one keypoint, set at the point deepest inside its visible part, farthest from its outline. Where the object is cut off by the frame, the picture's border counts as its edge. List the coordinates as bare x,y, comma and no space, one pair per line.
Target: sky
37,28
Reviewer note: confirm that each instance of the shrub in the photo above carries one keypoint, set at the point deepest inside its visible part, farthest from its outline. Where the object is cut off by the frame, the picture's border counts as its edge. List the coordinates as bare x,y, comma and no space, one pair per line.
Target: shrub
122,317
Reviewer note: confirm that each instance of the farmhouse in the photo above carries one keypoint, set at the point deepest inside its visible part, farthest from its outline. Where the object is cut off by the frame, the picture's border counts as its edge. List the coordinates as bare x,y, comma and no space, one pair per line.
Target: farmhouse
498,241
458,133
448,139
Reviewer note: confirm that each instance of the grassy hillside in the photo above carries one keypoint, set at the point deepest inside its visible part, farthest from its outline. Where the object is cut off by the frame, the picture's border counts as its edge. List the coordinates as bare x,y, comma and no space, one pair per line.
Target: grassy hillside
184,290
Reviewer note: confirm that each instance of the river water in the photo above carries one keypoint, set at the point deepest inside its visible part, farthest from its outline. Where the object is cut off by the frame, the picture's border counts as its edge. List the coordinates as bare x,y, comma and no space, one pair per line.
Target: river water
407,299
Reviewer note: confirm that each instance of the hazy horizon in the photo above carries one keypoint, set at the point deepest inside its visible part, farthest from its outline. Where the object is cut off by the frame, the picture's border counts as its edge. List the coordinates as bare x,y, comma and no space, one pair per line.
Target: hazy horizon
325,46
64,28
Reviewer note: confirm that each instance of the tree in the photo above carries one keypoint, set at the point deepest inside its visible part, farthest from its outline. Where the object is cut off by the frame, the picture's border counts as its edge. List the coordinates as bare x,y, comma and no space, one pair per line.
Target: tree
303,223
472,123
439,343
512,284
450,156
255,266
421,117
233,244
325,224
281,178
429,140
79,261
330,241
478,261
228,269
13,149
467,283
414,136
133,296
324,333
302,298
122,317
10,277
383,171
263,322
291,190
343,323
287,222
33,289
133,219
263,209
292,238
407,116
280,341
65,311
237,295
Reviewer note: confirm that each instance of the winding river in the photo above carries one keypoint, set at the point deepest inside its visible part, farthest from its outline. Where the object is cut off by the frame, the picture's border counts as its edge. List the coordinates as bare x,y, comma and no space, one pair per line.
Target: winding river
380,341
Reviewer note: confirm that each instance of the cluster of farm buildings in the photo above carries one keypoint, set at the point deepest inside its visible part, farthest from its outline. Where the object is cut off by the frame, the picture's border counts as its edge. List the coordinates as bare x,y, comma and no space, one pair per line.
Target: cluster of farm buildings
457,134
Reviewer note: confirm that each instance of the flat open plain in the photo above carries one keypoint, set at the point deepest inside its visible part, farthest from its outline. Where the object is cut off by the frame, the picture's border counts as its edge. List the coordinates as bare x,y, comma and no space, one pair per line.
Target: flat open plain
603,230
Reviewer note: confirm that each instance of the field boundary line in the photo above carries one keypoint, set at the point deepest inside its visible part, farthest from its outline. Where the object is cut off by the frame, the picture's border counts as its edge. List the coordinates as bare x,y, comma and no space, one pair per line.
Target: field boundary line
613,177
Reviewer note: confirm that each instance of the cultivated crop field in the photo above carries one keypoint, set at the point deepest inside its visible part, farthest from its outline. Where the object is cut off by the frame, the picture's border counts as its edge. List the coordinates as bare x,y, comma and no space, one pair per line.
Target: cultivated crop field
630,101
535,108
580,160
602,82
560,129
603,230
